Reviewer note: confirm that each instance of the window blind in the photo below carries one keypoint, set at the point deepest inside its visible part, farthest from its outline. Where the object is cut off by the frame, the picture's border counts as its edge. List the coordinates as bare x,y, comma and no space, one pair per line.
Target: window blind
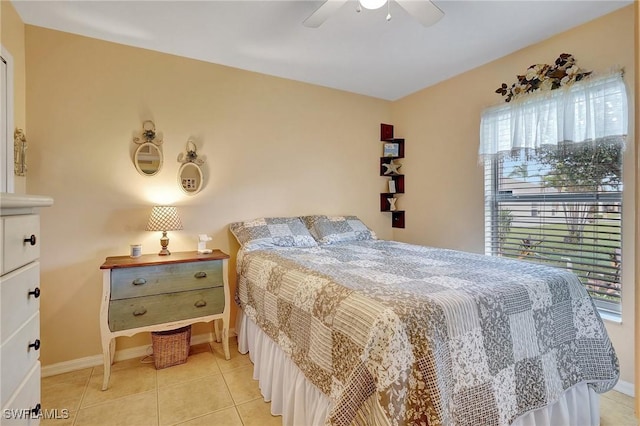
541,211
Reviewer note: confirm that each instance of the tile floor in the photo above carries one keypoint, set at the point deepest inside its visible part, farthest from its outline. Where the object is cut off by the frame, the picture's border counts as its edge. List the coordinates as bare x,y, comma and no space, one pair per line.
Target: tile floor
207,390
616,409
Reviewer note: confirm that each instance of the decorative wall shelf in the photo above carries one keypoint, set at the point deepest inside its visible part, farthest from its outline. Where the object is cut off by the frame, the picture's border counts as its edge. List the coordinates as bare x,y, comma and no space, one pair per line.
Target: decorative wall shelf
393,150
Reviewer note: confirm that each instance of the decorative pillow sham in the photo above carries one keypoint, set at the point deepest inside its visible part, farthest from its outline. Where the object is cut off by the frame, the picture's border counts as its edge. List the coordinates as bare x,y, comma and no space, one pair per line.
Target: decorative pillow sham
337,229
272,232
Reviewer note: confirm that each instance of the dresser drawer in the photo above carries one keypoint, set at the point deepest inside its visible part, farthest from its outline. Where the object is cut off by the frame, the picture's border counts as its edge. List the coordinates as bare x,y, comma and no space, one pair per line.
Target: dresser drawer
15,250
26,398
16,304
18,357
125,314
170,278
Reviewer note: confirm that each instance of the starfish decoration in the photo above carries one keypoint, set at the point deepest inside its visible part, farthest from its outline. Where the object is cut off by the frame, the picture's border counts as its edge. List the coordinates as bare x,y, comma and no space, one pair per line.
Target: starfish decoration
392,168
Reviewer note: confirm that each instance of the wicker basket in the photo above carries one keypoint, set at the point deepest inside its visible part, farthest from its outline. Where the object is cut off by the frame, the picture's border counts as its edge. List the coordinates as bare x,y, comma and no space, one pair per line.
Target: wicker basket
171,347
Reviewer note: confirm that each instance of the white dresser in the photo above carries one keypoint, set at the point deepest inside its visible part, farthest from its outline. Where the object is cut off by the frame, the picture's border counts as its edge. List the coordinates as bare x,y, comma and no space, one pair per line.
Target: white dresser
20,308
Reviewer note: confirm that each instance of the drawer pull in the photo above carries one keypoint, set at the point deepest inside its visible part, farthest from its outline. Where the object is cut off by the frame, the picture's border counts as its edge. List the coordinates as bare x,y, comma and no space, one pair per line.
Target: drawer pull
35,293
200,304
35,345
35,411
139,281
31,240
200,274
139,312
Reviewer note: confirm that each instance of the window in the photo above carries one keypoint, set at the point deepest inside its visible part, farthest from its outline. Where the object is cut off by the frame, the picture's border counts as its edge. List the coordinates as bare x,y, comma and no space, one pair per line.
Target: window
554,195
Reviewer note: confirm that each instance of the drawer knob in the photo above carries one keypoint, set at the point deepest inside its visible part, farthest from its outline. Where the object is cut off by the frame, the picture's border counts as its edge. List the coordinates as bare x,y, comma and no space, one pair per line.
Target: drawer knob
35,293
31,240
35,411
200,274
200,304
35,345
139,312
139,281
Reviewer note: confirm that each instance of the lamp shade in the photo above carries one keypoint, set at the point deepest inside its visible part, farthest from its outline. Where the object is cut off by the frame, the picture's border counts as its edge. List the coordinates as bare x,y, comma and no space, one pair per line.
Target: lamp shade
164,218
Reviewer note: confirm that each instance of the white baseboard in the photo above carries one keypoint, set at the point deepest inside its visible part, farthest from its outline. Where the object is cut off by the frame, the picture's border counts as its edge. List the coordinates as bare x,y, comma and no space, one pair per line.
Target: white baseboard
625,388
95,360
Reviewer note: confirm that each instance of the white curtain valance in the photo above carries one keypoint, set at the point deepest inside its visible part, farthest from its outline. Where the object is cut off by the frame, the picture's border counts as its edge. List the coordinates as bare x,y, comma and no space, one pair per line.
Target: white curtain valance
587,110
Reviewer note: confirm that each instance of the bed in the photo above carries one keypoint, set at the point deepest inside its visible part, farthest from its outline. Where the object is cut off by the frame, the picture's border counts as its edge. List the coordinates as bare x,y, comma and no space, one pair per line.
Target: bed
344,328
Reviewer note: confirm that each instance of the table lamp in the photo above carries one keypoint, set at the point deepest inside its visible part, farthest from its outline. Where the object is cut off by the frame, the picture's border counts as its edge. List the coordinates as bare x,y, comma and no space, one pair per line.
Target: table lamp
164,218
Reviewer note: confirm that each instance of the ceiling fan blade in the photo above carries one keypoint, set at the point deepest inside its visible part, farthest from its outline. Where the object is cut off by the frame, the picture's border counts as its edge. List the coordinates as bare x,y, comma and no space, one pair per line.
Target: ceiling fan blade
423,10
321,14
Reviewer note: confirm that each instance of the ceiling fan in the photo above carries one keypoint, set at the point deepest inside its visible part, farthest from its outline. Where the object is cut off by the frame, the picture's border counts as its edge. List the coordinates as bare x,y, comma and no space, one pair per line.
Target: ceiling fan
424,11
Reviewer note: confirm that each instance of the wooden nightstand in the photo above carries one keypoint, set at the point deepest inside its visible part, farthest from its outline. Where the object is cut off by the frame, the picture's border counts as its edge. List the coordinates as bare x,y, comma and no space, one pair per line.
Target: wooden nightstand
158,293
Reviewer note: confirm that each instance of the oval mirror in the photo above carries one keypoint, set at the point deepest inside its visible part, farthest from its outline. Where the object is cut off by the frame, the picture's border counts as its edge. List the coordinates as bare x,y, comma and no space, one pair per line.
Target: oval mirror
190,178
148,159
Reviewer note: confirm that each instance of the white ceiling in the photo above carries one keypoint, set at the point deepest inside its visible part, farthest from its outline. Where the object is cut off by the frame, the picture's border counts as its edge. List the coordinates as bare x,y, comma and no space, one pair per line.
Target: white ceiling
356,52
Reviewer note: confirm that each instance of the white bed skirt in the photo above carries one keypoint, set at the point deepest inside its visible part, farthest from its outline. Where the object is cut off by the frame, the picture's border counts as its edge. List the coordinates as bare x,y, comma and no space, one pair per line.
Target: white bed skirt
300,403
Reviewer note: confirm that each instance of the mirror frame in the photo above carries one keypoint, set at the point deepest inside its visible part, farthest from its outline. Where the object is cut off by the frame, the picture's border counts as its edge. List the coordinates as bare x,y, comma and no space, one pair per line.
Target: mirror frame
200,182
135,158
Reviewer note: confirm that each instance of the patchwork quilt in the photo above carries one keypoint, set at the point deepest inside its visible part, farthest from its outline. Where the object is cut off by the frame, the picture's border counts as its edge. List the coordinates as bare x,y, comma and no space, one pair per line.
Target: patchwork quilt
414,335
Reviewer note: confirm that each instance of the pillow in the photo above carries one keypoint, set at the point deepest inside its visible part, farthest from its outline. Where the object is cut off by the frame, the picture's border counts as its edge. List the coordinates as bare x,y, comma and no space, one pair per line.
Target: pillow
337,229
272,232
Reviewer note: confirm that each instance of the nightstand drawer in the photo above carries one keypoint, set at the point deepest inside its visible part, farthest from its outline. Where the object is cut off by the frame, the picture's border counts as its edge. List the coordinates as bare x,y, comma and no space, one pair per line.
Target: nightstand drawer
138,312
170,278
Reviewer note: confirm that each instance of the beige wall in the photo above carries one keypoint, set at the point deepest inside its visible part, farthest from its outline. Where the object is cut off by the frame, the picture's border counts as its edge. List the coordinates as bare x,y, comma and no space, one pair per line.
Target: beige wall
273,147
12,39
444,181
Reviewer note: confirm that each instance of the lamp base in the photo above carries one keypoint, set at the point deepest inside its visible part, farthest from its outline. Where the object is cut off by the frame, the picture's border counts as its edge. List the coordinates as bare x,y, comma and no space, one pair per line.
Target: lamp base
164,242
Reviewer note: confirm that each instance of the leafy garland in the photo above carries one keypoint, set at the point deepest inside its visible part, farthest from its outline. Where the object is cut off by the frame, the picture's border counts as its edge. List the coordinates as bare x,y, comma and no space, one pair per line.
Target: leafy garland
545,77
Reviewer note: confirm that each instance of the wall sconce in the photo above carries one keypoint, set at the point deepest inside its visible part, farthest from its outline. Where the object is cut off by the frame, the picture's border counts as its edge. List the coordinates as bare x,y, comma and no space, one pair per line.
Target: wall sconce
164,218
19,152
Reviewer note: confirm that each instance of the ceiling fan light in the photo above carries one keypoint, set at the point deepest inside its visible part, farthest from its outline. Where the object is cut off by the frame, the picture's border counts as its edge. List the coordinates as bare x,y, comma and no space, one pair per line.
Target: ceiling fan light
372,4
